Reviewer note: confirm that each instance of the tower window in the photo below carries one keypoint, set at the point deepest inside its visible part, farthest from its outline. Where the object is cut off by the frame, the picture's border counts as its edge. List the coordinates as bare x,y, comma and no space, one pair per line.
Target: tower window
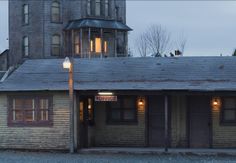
89,7
98,47
25,18
55,12
56,45
25,46
106,8
77,45
98,7
105,47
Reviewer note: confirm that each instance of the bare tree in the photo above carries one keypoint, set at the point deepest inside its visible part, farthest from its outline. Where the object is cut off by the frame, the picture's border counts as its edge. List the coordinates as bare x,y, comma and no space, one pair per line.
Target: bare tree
158,39
181,43
142,45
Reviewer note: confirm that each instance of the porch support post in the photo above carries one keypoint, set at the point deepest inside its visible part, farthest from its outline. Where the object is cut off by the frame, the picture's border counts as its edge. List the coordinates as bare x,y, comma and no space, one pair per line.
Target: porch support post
115,43
72,43
89,39
72,109
81,42
101,34
125,44
166,124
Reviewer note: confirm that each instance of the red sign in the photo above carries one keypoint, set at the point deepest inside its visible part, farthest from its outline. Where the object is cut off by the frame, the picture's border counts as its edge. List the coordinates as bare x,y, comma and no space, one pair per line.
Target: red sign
105,98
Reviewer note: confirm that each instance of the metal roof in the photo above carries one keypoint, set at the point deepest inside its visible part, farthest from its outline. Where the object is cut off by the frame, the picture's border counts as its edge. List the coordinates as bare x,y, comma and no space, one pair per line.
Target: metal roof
182,73
97,23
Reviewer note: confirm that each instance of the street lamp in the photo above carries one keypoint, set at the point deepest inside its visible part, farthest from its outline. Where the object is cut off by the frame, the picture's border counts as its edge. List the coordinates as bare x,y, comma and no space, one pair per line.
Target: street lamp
68,64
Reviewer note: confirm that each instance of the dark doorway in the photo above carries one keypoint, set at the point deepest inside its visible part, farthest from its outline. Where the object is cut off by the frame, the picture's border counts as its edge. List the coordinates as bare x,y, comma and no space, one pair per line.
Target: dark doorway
83,122
199,121
156,125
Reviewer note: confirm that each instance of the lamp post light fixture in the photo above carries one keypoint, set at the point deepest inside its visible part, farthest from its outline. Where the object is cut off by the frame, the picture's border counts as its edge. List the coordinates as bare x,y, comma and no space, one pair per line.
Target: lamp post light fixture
68,64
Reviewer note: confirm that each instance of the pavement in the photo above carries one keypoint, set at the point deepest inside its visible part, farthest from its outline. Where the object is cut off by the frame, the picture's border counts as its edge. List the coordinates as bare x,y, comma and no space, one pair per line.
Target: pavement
43,157
160,151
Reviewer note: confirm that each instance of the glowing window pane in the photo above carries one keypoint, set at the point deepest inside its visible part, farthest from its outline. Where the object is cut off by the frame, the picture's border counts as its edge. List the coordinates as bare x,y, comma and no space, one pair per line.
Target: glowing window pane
98,48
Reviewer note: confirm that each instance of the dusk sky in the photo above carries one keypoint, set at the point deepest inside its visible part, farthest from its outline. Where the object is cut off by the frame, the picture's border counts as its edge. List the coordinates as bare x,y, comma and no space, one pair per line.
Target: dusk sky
209,26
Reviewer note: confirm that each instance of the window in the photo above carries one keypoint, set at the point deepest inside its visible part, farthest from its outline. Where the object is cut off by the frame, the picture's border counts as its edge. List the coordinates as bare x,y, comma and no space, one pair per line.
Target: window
56,45
228,110
105,47
90,111
91,46
25,46
106,8
123,110
98,7
98,47
29,110
89,7
55,12
77,45
25,18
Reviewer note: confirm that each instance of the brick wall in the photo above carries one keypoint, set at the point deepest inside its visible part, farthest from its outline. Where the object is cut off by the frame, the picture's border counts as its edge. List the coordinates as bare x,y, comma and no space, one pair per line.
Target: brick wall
54,137
117,135
223,136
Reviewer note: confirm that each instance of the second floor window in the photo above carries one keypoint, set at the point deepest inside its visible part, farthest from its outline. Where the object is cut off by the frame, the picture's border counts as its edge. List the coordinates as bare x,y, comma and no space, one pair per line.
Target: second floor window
55,12
56,45
25,46
25,18
89,7
106,8
97,7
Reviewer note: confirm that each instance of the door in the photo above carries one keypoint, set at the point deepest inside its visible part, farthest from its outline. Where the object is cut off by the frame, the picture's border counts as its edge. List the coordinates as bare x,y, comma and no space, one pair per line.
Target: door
156,115
83,123
199,121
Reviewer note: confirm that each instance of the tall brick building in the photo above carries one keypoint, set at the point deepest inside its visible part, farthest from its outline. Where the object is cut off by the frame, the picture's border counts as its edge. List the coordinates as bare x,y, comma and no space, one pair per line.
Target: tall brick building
57,28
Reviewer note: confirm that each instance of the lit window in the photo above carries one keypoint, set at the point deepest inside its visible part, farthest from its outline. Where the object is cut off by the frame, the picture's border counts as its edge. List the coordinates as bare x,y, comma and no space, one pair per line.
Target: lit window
229,110
25,46
90,111
25,14
56,45
77,45
91,46
89,7
55,12
29,110
106,8
98,7
98,48
105,47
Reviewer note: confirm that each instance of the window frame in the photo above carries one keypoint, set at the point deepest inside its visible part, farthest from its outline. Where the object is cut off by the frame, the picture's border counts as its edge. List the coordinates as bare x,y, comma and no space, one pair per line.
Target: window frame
222,113
89,7
25,48
98,8
25,15
59,12
122,121
106,8
36,111
53,45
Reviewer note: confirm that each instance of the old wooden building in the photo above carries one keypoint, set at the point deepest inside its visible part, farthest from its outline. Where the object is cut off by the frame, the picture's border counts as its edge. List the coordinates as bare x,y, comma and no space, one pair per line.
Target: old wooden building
187,102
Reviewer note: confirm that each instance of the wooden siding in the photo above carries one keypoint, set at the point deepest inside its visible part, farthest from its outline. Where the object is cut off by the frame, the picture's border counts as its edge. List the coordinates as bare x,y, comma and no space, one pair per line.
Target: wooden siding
178,121
223,136
103,134
38,138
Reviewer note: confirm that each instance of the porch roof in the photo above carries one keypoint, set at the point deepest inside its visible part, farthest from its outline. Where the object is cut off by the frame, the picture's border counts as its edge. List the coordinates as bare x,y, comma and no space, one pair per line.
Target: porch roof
97,23
183,73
